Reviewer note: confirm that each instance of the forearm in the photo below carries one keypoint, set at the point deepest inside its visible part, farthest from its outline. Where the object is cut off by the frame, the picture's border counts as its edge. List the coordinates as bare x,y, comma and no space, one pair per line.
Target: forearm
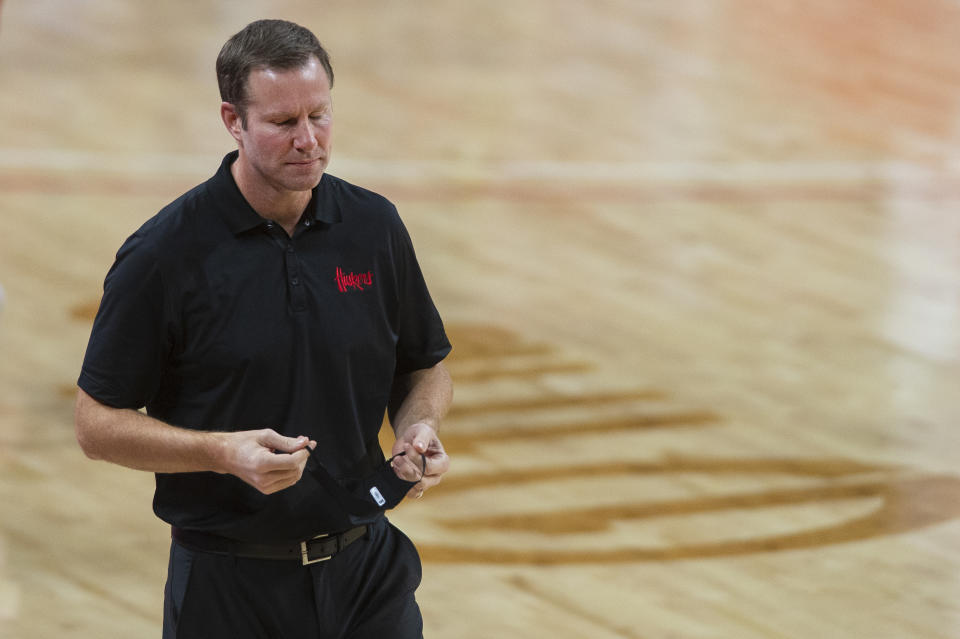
420,397
262,458
135,440
418,403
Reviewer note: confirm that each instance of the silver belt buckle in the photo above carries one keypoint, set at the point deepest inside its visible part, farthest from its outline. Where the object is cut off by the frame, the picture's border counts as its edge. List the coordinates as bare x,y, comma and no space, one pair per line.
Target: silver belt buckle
304,555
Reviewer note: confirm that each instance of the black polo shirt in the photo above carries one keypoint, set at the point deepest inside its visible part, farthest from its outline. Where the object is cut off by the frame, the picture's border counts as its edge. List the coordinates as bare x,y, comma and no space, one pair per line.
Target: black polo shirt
213,318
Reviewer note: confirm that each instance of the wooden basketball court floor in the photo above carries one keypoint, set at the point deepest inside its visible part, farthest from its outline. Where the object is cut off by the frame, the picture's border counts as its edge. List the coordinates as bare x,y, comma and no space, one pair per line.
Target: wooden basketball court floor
700,262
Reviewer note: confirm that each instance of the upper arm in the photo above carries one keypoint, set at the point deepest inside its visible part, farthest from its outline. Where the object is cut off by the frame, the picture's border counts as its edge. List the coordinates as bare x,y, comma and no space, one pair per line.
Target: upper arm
129,341
421,339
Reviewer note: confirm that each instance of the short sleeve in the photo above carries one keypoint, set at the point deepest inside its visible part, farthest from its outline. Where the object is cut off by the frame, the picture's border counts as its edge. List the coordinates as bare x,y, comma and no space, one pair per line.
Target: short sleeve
422,341
130,340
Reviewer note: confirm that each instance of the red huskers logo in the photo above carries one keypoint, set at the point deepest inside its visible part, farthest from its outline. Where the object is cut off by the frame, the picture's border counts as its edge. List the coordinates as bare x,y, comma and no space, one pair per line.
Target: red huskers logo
358,281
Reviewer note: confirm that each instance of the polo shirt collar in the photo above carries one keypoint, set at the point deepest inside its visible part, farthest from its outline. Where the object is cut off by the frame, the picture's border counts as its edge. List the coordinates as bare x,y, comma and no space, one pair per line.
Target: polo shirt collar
240,216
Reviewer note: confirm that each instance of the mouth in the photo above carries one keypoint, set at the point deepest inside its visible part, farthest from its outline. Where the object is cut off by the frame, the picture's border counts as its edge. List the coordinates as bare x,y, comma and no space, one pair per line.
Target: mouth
305,162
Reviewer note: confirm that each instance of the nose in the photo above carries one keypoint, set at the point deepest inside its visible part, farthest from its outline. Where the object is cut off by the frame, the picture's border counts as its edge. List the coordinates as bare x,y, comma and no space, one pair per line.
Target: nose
305,137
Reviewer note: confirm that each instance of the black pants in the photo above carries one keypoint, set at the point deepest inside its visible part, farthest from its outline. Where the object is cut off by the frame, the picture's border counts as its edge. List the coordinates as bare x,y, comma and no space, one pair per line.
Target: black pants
364,592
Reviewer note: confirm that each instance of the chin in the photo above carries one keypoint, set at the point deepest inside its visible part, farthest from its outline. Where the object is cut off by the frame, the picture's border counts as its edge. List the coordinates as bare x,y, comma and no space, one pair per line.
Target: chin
304,182
302,185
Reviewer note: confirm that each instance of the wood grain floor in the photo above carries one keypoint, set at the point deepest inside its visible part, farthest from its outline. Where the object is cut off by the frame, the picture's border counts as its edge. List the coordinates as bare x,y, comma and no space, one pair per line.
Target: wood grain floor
700,262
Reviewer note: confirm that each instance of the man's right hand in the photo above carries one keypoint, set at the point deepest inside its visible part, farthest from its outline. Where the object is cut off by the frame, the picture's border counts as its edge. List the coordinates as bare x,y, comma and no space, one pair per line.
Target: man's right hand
265,459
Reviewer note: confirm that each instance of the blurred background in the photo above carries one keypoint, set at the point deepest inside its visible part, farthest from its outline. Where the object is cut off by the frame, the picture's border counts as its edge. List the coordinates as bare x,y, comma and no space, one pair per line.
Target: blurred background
699,261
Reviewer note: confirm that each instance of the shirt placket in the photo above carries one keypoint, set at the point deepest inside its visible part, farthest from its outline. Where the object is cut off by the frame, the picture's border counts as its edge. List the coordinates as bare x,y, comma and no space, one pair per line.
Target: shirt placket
291,262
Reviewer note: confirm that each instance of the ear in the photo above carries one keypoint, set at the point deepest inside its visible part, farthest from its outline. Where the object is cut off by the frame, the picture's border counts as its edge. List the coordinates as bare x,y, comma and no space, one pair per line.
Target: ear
231,119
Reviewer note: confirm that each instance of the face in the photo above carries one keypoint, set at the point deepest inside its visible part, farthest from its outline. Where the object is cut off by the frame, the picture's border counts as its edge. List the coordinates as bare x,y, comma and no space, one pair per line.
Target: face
285,143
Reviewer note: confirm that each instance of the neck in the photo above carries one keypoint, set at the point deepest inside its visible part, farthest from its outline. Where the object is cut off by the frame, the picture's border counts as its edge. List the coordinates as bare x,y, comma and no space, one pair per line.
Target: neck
283,207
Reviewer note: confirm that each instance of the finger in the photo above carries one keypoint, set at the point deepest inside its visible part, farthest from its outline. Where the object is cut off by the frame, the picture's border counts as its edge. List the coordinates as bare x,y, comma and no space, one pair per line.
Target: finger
418,436
269,438
274,481
430,481
283,462
406,468
424,484
437,463
300,457
416,492
399,447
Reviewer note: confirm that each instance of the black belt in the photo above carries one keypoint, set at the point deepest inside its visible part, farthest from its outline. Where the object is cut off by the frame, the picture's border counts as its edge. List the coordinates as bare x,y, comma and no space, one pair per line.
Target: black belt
311,551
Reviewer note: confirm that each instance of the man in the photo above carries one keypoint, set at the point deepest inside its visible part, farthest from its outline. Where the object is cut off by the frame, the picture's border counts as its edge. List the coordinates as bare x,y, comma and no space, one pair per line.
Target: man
266,319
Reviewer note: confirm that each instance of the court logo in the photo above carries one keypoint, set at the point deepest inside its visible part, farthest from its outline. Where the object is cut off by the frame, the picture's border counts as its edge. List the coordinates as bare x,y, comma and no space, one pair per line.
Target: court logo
630,503
353,281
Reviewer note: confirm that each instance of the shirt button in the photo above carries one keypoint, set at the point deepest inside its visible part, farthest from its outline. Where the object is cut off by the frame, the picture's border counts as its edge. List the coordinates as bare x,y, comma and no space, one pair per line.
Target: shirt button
306,223
295,281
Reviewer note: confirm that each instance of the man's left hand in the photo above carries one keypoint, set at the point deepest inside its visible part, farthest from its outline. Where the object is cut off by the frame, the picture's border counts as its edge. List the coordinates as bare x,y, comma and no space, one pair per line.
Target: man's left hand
420,443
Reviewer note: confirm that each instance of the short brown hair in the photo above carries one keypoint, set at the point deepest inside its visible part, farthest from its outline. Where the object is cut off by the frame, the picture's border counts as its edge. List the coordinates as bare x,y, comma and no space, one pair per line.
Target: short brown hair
265,44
